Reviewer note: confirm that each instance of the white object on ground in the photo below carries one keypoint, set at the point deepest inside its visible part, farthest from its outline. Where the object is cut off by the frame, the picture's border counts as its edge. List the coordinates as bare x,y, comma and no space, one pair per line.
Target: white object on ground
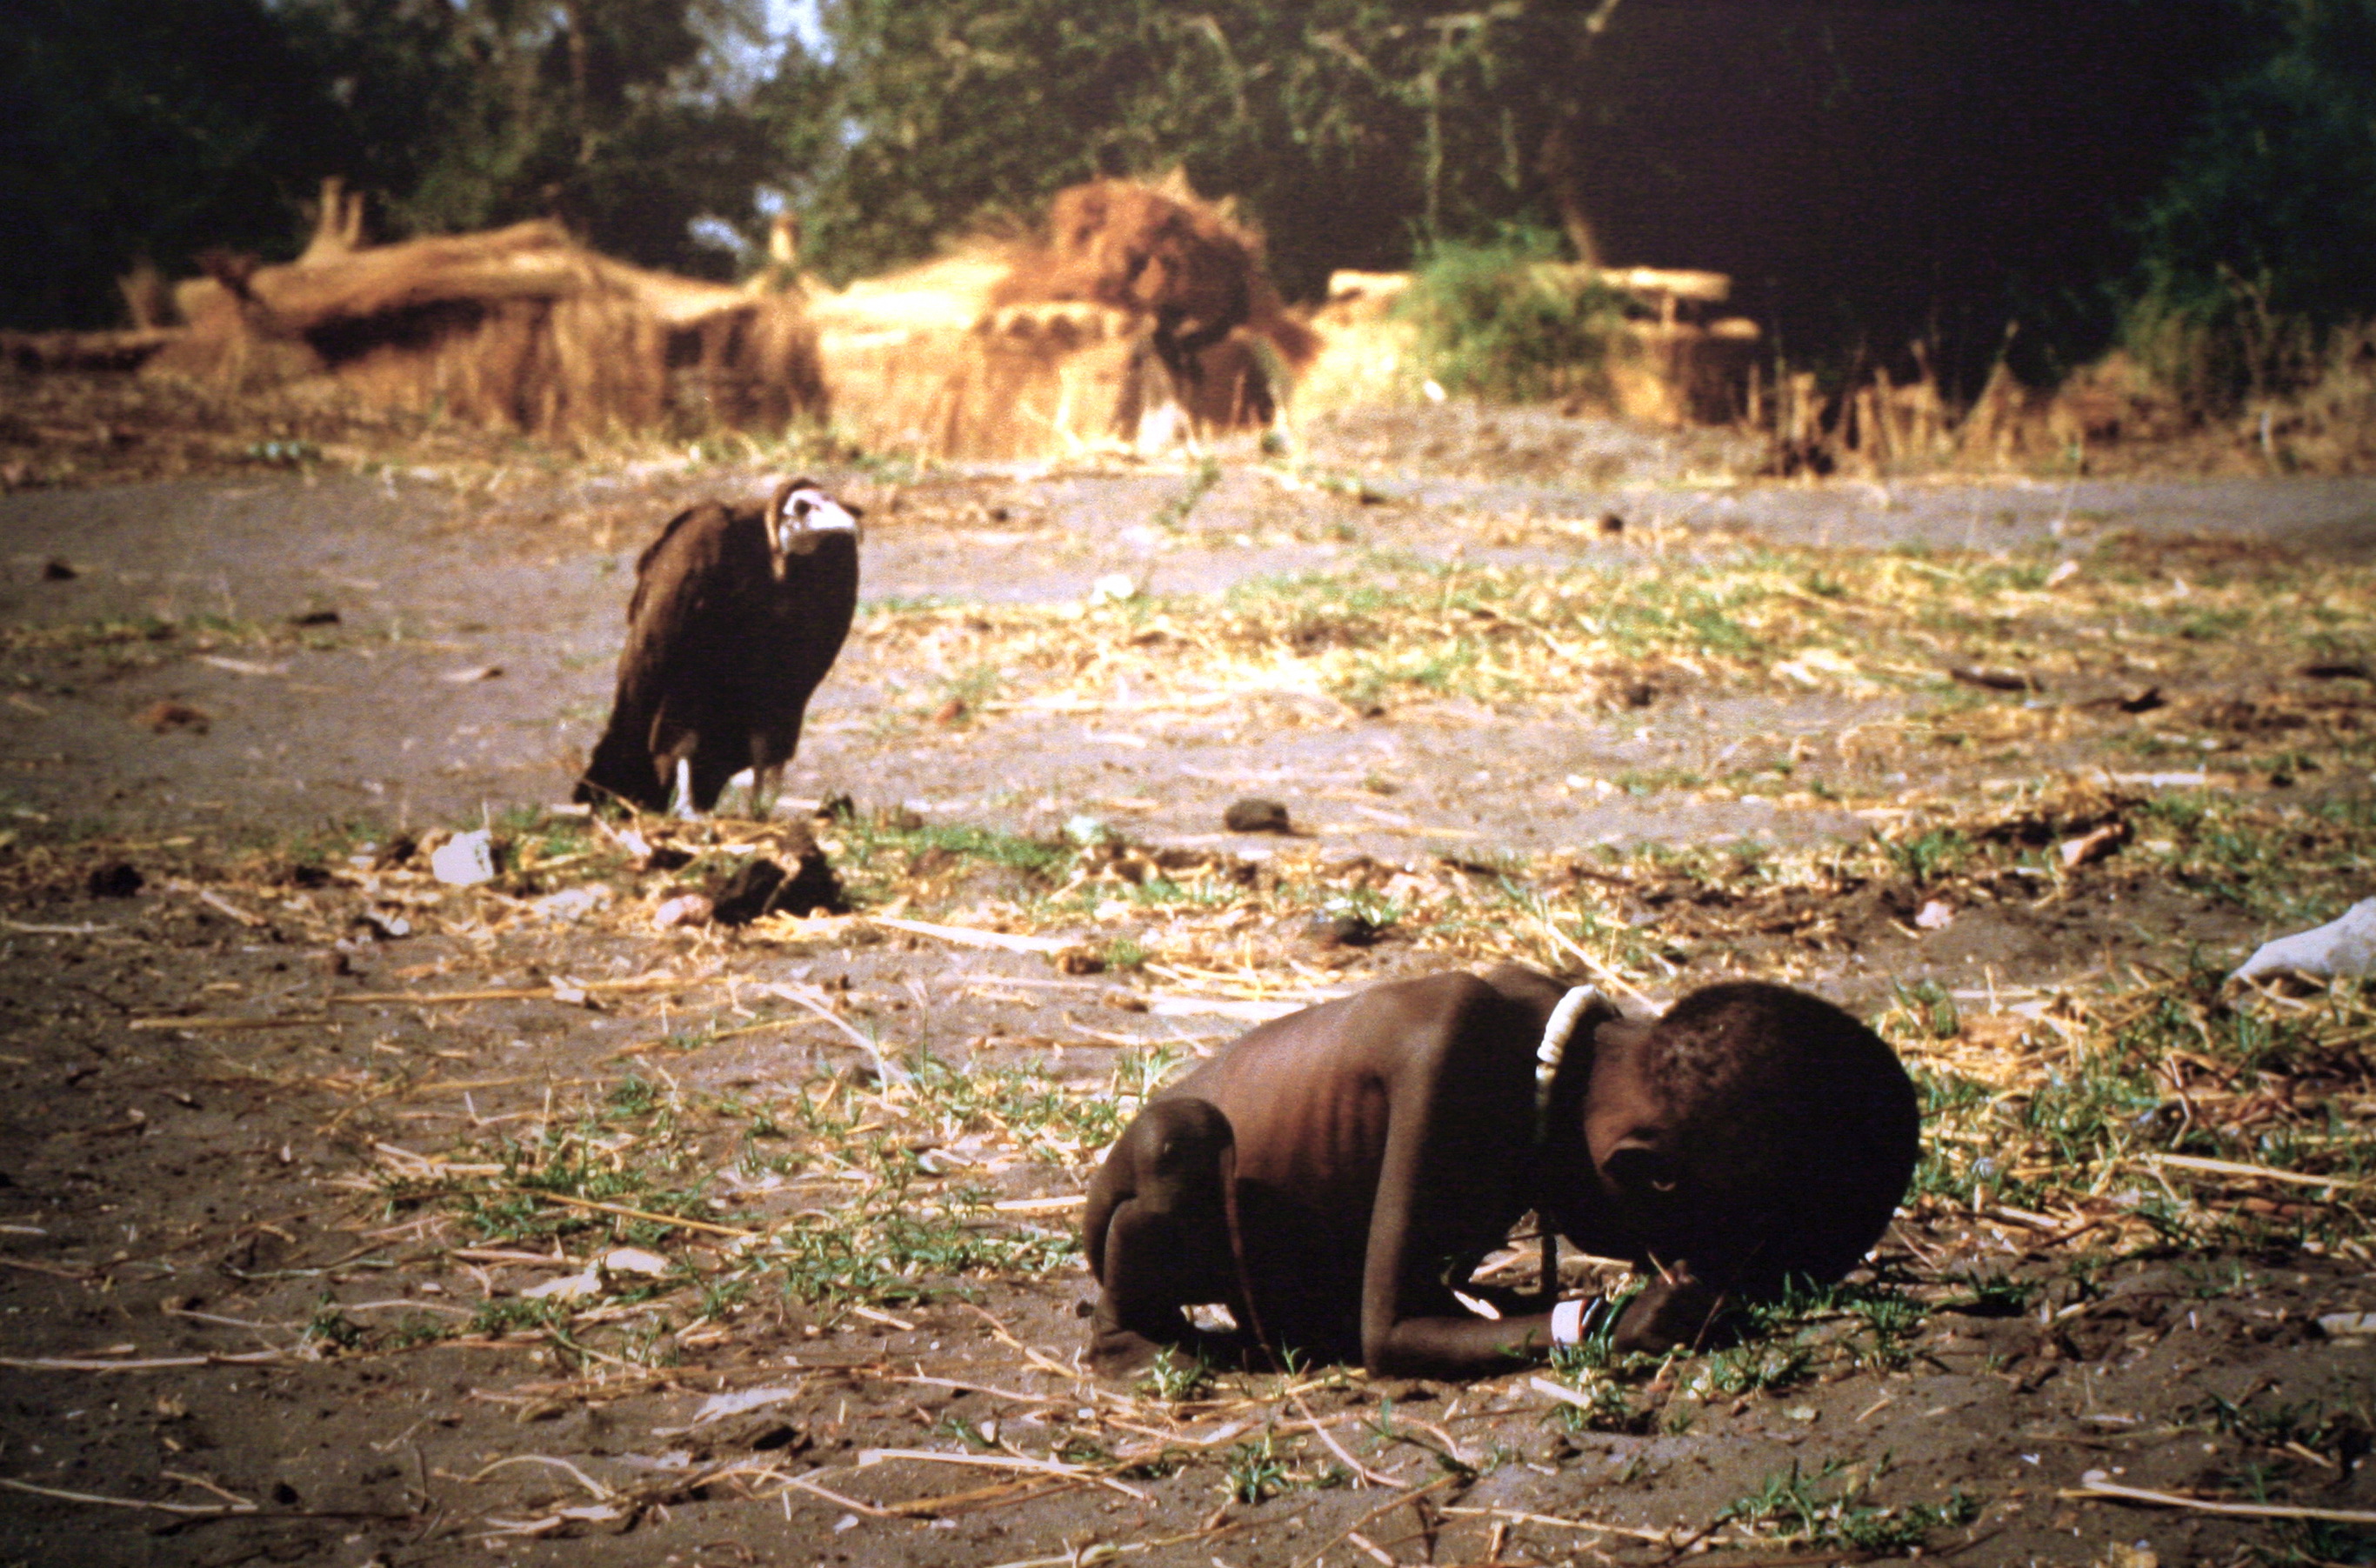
569,1287
575,903
2344,946
634,1260
685,908
466,860
720,1406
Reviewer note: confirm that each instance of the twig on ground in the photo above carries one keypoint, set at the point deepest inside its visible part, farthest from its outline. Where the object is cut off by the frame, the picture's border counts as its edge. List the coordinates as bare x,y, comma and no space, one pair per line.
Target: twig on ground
2097,1485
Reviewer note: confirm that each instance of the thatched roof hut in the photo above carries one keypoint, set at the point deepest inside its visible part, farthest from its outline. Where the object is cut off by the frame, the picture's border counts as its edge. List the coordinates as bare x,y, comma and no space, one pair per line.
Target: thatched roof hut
521,328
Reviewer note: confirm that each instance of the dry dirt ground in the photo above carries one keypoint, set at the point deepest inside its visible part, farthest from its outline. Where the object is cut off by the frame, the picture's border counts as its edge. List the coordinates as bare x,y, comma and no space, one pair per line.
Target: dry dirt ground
350,1217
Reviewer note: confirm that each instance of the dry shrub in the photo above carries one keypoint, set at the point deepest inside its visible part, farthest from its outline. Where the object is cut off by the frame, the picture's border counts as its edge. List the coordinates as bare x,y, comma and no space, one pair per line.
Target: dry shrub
1163,252
1023,382
520,328
1002,351
2330,425
2157,408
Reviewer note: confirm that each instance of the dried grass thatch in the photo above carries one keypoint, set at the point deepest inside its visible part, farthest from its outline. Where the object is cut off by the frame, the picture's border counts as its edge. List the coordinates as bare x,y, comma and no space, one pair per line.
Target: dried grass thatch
920,362
521,328
1044,348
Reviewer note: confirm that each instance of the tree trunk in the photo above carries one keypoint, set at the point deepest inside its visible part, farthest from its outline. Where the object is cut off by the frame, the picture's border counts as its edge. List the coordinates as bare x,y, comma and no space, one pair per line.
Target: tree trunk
1563,160
1563,175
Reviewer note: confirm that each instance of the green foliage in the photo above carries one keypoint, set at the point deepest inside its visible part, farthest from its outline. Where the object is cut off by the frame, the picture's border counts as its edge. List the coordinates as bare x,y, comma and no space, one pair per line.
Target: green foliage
2264,237
1609,1408
1994,1295
1797,1508
332,1329
1499,320
154,129
1174,1378
619,117
1256,1471
886,1248
1340,126
1928,856
147,128
1172,515
1757,1368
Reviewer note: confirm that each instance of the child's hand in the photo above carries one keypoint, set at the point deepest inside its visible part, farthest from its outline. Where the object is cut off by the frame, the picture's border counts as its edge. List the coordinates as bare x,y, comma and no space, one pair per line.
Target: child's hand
1673,1309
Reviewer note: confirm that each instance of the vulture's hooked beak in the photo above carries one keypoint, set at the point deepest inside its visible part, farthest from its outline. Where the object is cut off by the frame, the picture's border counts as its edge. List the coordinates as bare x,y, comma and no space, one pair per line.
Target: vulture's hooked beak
798,512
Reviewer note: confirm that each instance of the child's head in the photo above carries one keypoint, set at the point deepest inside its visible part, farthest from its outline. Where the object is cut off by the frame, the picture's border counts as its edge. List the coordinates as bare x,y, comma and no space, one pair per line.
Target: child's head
1755,1130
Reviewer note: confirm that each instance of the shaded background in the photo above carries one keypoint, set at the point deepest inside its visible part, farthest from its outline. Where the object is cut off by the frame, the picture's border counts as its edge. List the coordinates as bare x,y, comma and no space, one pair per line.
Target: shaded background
1872,172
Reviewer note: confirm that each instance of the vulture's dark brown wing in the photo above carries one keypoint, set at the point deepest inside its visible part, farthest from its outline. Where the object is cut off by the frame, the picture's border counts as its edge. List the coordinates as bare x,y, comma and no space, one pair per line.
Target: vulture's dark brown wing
685,583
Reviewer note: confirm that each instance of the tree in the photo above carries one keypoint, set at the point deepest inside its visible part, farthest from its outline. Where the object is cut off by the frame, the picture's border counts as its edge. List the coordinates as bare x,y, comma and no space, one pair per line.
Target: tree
1846,161
619,117
2263,240
1348,128
147,129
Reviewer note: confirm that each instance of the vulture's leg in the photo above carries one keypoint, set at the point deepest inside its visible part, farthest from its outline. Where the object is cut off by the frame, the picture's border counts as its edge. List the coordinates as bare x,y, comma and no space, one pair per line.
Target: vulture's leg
681,793
767,783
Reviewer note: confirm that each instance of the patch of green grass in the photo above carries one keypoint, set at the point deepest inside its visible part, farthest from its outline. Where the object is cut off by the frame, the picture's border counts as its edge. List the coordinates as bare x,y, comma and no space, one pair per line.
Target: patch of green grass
1256,1471
1610,1407
1763,1367
963,1430
332,1330
1656,780
509,1315
1499,320
1879,1325
2342,1434
877,854
1992,1295
1925,1009
1174,1378
1925,857
890,1247
1047,1122
1172,515
1795,1508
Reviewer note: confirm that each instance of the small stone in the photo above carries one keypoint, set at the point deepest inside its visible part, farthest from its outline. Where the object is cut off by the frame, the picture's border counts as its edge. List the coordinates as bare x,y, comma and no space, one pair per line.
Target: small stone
1936,915
1611,525
2094,846
116,879
763,887
1339,930
751,892
1255,814
685,908
160,716
58,570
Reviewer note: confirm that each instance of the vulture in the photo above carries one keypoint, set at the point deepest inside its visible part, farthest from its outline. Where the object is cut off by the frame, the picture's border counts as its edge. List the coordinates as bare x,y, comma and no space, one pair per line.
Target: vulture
737,614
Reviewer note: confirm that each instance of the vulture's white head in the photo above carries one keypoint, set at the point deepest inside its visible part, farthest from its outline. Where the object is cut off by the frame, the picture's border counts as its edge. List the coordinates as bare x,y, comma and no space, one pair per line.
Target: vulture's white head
799,517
